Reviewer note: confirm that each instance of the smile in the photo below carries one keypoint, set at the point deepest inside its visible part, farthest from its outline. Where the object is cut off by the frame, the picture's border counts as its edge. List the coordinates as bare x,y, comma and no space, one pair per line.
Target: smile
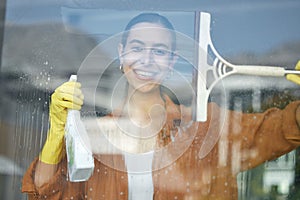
145,74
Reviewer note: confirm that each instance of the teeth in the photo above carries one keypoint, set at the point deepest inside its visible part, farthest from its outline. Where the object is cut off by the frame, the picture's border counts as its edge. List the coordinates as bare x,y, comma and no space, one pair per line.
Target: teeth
143,73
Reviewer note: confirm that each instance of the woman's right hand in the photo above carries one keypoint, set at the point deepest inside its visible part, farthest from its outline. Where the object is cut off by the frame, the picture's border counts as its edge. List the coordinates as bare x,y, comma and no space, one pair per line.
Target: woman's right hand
67,96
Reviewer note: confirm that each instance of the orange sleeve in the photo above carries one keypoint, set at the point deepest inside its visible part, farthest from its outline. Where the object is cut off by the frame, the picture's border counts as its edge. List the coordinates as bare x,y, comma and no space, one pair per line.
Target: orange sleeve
57,188
264,136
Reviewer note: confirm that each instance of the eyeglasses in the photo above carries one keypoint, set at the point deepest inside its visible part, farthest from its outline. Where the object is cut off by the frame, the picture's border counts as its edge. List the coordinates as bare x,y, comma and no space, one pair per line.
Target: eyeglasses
155,51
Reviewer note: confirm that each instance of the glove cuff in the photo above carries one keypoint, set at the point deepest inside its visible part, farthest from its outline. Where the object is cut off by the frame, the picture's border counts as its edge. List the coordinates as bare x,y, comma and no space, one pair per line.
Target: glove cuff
53,149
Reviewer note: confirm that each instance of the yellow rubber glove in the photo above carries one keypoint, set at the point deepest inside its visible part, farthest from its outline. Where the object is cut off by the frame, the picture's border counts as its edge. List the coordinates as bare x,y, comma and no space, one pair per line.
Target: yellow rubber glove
293,77
67,96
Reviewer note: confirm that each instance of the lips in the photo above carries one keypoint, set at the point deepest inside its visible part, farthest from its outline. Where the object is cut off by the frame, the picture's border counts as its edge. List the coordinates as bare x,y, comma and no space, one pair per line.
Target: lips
145,75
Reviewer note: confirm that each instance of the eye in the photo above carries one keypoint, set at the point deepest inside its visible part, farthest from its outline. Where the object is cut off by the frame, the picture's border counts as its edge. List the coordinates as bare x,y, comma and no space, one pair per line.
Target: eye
137,49
159,52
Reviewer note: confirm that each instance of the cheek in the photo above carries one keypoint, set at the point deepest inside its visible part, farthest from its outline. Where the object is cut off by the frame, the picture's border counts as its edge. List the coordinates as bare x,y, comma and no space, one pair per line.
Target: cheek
165,68
127,70
165,62
130,57
129,60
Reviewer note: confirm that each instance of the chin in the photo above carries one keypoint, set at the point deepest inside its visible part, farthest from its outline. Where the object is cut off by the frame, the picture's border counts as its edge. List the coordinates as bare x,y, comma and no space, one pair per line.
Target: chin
147,88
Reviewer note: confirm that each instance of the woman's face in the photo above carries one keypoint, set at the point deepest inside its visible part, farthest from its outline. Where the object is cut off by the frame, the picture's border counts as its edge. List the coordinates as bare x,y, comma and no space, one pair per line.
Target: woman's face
147,56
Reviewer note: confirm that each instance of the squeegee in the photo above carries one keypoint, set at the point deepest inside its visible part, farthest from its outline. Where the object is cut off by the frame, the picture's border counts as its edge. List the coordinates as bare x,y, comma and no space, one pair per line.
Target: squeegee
209,61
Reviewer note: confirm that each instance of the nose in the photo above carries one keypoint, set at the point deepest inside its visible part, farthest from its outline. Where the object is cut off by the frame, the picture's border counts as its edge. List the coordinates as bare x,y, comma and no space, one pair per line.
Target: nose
147,57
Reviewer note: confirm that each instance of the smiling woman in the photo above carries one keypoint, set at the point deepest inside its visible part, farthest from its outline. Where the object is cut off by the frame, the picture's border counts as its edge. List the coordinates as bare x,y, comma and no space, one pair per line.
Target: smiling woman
148,146
139,119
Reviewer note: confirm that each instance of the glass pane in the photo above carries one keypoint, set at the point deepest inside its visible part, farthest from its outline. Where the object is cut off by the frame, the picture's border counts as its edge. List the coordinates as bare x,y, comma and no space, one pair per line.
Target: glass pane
45,42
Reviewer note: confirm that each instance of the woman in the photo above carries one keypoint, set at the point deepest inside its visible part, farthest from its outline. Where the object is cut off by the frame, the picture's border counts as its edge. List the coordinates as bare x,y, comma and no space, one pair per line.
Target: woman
155,150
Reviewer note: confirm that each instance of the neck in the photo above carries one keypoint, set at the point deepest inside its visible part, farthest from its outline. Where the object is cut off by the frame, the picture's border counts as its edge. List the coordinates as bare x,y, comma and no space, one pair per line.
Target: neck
144,99
143,107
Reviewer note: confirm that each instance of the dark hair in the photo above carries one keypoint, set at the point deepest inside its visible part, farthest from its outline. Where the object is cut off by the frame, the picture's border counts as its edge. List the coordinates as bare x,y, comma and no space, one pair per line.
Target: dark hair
153,18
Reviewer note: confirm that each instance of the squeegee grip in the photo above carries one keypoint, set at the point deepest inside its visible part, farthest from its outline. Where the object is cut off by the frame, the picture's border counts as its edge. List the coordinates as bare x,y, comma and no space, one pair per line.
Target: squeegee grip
259,70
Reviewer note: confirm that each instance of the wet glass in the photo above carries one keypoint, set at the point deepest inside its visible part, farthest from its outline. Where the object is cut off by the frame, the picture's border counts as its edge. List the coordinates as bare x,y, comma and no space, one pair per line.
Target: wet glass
45,42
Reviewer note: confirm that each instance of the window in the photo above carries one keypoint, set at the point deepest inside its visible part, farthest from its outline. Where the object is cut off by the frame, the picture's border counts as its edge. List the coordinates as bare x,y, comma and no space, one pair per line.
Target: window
43,43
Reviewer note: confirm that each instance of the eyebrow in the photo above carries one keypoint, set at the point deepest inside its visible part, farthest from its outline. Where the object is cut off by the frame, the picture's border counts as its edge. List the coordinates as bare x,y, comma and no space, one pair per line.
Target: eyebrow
155,45
136,41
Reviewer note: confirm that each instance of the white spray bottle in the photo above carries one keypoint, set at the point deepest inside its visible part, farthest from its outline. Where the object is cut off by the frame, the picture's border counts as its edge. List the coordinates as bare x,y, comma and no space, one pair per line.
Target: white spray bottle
79,153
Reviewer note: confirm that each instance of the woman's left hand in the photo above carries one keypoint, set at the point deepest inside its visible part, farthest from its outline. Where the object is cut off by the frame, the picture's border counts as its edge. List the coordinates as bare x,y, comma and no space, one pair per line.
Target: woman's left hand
293,77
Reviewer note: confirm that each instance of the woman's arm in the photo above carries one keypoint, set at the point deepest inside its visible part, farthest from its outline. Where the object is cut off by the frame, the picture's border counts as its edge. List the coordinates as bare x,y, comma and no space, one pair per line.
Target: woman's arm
43,173
268,135
43,181
45,169
298,116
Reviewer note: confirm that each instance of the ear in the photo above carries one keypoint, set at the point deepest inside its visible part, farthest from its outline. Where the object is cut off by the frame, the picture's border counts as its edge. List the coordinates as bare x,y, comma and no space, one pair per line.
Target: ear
120,52
173,59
